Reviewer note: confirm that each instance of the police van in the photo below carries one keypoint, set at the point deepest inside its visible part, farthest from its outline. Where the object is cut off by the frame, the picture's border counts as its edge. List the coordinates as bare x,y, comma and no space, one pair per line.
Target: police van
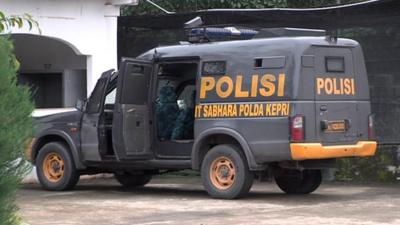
282,106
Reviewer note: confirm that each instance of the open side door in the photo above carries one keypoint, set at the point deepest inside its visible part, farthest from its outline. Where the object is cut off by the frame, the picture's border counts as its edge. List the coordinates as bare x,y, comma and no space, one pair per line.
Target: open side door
92,131
131,123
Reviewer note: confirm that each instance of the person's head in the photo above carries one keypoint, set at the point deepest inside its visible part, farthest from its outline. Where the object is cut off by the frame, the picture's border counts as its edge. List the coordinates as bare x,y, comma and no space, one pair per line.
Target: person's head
167,94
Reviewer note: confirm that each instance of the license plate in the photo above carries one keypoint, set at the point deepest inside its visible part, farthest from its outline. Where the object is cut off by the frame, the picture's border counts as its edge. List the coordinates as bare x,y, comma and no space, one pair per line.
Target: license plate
336,126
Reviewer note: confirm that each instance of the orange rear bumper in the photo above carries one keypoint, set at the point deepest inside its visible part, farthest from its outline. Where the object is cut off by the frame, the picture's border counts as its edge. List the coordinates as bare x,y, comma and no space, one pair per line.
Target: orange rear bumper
303,151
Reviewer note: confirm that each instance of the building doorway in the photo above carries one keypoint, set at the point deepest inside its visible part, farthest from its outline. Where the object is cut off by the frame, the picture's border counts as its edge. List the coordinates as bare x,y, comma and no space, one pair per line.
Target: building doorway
54,69
46,88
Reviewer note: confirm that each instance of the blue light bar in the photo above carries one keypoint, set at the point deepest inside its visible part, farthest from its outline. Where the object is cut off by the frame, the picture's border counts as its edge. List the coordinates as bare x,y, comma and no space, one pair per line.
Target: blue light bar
197,34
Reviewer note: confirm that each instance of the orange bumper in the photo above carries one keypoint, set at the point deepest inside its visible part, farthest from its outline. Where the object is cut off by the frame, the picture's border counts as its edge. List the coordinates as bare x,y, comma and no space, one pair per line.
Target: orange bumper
303,151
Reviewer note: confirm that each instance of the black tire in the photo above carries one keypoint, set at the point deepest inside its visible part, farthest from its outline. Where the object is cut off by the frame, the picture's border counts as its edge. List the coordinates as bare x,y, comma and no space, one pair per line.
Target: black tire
69,177
132,180
298,182
240,180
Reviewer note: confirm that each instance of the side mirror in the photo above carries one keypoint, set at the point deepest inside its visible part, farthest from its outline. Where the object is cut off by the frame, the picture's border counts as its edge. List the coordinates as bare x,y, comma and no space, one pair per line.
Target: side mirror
80,105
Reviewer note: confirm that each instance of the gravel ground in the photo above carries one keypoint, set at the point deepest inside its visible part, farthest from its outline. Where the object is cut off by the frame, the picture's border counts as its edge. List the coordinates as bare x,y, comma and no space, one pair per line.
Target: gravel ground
182,200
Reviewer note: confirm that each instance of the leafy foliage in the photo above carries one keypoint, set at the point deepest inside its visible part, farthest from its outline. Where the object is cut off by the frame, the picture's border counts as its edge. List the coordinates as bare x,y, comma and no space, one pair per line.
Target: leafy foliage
15,128
318,3
181,6
8,22
16,122
380,168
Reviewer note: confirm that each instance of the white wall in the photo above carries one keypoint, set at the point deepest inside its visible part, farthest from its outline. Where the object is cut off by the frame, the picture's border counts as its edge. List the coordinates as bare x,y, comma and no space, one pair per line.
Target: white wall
73,86
34,52
88,26
39,55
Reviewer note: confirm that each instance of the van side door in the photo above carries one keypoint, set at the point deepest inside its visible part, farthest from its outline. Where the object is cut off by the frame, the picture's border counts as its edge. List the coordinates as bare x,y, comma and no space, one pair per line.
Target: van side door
92,131
131,124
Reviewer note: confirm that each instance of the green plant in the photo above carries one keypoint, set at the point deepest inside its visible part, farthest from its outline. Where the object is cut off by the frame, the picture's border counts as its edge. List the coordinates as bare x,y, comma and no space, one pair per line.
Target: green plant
15,120
15,128
8,22
368,169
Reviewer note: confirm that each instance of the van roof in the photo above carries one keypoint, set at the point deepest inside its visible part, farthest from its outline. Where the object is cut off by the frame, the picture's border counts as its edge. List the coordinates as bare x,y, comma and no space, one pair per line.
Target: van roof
257,47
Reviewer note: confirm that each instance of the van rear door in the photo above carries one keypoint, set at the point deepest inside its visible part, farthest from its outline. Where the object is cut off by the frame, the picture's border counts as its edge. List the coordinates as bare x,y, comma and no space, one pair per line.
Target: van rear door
335,96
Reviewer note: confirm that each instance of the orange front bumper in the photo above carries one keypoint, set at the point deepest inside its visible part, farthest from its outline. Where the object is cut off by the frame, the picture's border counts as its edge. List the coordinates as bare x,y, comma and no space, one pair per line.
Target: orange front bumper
303,151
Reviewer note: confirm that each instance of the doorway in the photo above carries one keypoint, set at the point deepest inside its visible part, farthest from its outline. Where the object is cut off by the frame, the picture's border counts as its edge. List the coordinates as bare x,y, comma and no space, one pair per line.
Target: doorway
174,108
46,88
53,68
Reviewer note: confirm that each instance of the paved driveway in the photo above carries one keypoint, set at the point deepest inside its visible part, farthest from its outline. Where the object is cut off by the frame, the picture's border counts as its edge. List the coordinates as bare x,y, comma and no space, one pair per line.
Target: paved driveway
183,201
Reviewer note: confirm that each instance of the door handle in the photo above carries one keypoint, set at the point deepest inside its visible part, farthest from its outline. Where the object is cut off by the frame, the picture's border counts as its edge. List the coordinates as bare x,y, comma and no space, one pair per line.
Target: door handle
323,108
131,110
324,124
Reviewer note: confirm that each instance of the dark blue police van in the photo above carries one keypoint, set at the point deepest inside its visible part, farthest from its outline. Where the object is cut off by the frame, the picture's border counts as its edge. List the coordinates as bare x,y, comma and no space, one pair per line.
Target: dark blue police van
282,106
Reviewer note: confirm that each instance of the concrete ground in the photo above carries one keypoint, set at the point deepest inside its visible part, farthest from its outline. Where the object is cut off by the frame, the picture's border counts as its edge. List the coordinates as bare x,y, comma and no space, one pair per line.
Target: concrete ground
182,200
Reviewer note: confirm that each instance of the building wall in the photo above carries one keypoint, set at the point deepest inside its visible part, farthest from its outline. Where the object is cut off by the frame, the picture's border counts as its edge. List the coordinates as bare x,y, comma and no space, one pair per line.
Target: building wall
89,27
73,86
41,53
43,59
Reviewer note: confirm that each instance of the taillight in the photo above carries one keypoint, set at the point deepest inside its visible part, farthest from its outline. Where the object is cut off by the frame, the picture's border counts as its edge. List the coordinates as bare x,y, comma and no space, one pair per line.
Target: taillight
297,125
371,127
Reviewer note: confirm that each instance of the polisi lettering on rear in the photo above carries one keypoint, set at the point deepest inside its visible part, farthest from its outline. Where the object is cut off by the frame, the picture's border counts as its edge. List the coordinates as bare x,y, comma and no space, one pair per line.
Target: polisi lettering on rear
335,86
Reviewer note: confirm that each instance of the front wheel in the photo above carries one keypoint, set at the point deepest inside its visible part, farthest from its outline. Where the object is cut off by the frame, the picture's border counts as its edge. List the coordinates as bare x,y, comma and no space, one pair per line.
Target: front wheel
225,172
298,182
55,167
132,180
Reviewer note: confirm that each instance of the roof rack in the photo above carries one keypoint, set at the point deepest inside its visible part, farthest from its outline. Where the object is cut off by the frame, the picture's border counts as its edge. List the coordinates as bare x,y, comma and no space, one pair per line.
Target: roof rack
208,34
289,32
197,33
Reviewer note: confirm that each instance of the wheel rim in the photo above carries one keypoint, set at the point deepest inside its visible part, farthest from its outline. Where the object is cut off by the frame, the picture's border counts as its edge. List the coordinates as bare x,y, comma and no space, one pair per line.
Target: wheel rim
53,167
222,173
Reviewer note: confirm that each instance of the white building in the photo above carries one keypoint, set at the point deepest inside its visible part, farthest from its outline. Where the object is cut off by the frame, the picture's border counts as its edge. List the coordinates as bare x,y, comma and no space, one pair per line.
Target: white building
78,41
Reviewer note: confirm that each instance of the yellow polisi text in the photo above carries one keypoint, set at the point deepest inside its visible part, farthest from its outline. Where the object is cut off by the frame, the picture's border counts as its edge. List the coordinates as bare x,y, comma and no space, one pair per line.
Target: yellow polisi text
226,86
242,110
335,86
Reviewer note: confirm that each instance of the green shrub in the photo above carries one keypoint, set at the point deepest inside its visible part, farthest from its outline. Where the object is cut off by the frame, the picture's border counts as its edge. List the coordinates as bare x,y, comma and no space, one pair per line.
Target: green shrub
15,128
374,168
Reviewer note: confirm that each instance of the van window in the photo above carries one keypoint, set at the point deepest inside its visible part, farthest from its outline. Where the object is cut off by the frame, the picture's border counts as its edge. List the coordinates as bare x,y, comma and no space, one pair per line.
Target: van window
110,98
258,63
334,64
270,62
135,84
94,103
214,68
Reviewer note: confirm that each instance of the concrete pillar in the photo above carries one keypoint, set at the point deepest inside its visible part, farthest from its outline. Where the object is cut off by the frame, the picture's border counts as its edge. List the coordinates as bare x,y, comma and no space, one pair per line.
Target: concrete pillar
104,57
74,86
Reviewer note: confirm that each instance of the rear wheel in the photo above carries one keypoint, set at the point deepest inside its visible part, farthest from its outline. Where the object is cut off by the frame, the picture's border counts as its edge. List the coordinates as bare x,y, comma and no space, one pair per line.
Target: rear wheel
225,173
55,167
132,180
298,182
